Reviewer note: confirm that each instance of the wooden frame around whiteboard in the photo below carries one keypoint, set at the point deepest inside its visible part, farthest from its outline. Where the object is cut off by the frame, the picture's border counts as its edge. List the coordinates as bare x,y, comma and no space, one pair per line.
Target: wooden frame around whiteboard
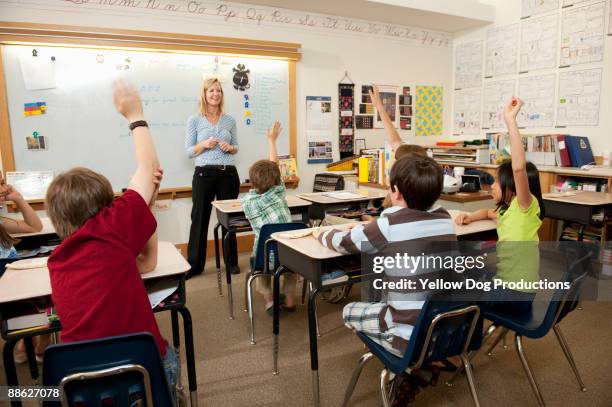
89,37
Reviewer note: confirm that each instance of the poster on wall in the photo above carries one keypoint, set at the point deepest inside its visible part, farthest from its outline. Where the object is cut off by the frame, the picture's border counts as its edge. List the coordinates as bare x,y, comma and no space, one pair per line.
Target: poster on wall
319,125
428,110
388,97
346,125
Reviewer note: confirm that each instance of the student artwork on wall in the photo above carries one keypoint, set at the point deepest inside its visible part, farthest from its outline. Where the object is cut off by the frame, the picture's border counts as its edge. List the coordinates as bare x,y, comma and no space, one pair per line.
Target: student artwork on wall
468,65
388,96
539,43
319,125
501,51
428,110
467,112
538,93
346,99
578,98
535,7
582,34
496,96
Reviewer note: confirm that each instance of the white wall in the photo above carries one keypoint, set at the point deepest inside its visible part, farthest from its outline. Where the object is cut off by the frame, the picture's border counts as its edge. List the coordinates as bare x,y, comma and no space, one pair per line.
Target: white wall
325,58
600,137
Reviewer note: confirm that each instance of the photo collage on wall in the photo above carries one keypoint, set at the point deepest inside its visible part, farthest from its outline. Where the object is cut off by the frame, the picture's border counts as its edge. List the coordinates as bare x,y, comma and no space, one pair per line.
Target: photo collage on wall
398,106
405,109
365,119
346,102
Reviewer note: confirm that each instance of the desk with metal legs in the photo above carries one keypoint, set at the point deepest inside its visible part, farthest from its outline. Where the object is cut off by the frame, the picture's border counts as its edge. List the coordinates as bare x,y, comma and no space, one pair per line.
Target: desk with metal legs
578,207
23,285
308,258
229,211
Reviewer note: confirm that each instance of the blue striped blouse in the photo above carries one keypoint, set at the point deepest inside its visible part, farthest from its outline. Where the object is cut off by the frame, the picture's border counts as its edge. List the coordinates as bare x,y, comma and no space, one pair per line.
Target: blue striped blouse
199,129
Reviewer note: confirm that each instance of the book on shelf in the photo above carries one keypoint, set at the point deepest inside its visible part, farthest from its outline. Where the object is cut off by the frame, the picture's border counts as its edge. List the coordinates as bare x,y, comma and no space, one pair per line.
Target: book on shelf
288,167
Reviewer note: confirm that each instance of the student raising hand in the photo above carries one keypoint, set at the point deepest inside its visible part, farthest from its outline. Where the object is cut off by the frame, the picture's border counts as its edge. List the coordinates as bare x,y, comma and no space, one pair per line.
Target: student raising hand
272,135
519,162
127,100
393,136
512,109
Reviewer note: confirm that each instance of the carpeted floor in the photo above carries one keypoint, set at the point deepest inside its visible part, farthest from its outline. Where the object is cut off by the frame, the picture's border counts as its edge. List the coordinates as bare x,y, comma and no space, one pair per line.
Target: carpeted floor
231,372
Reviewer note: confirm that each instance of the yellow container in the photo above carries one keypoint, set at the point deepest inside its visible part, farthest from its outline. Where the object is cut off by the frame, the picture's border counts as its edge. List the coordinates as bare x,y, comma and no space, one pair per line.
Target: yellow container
363,169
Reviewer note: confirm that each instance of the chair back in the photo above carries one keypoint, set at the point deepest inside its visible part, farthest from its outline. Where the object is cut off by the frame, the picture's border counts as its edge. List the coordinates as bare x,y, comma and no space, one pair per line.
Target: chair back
121,370
443,329
328,182
565,301
266,245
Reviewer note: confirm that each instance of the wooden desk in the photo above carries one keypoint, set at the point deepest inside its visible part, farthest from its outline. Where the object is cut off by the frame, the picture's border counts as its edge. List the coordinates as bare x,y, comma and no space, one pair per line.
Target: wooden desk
20,285
46,237
365,195
228,211
308,258
578,207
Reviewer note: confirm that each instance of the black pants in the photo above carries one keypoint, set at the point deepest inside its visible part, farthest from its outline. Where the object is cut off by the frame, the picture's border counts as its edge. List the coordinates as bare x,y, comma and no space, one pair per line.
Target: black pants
209,183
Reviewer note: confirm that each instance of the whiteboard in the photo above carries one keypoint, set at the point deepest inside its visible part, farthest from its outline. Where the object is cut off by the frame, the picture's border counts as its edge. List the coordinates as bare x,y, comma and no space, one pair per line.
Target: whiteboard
82,128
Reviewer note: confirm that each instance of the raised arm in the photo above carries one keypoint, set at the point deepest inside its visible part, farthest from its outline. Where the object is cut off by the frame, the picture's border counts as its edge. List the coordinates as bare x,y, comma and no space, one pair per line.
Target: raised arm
519,163
31,222
393,136
272,135
127,102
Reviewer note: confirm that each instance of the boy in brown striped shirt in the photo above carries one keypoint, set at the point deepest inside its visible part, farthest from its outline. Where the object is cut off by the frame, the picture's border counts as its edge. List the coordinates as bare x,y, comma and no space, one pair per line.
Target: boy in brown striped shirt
415,185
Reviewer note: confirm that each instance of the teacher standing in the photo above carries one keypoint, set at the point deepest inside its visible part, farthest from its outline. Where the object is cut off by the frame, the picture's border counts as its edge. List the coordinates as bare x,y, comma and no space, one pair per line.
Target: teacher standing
211,139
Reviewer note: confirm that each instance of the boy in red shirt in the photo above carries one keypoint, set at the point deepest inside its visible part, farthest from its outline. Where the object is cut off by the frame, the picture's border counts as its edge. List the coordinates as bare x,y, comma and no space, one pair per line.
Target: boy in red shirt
95,273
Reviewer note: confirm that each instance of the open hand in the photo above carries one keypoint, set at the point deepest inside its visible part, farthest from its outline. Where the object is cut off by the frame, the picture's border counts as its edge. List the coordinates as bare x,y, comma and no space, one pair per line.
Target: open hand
273,133
512,108
375,95
127,100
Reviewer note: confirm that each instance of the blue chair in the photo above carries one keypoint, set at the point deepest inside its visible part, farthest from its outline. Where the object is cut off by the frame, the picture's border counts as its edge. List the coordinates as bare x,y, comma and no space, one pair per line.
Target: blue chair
260,266
443,329
121,370
544,316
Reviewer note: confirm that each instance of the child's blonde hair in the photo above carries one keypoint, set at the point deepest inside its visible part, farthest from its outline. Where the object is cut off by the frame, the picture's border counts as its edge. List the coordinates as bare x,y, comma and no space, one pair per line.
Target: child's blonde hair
207,84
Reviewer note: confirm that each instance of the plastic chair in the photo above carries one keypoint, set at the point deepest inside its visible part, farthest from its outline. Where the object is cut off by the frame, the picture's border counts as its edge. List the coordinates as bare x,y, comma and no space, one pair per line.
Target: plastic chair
120,370
544,316
443,329
261,266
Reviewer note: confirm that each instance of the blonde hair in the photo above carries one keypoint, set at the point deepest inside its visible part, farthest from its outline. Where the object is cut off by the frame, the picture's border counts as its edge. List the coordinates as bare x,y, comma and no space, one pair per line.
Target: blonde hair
207,84
75,196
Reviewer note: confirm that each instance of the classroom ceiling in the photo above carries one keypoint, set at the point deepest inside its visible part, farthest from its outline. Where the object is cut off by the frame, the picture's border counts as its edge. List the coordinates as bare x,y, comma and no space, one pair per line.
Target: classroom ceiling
442,15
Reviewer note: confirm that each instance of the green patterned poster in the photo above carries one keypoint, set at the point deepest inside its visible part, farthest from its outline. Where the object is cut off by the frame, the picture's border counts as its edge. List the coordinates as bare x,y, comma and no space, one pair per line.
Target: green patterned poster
428,111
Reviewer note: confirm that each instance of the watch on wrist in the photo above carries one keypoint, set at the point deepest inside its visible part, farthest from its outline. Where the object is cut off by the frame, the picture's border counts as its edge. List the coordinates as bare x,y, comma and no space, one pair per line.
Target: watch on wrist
138,123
